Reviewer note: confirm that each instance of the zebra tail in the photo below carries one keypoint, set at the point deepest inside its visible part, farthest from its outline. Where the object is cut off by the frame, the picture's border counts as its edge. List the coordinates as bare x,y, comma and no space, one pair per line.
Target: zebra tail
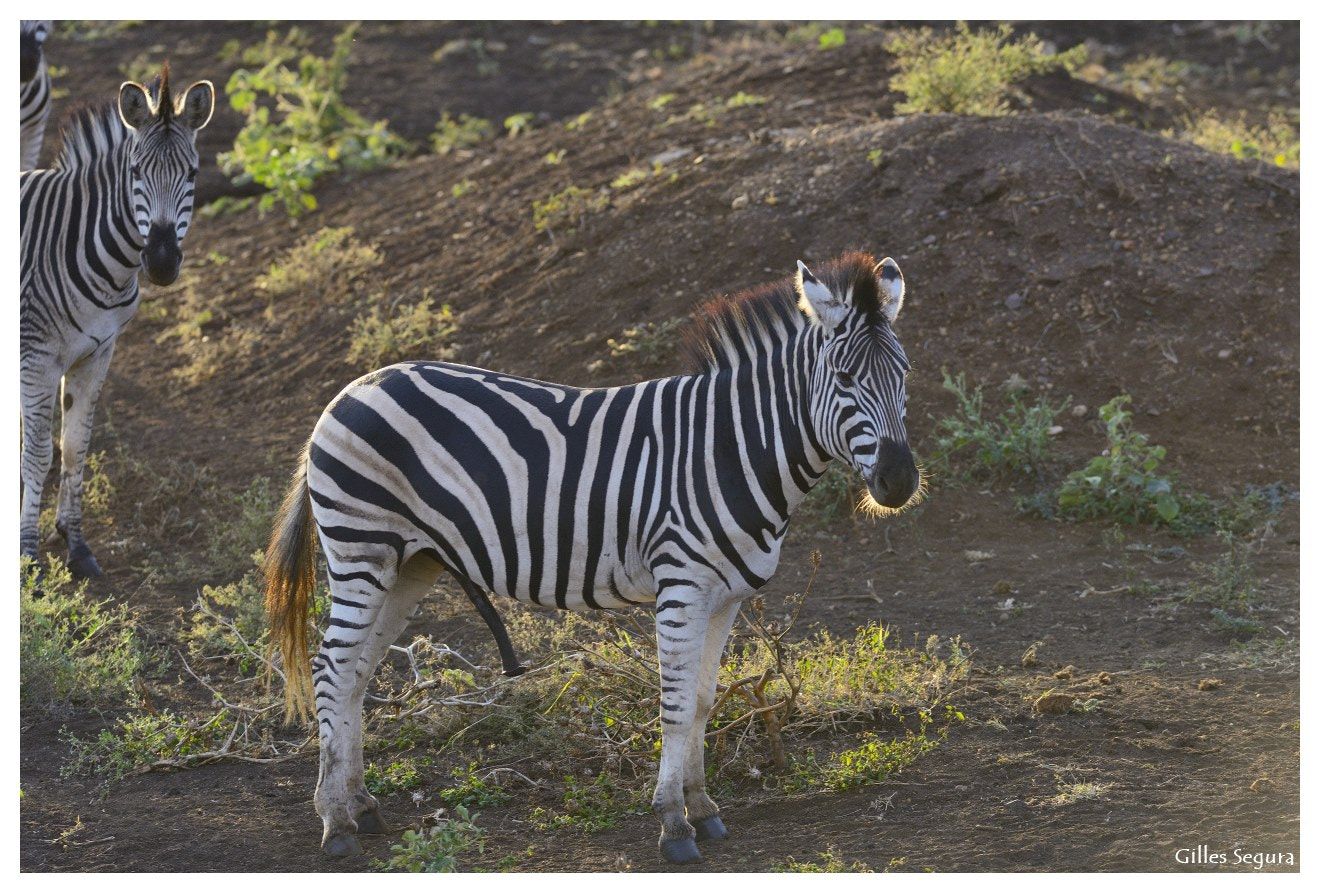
289,567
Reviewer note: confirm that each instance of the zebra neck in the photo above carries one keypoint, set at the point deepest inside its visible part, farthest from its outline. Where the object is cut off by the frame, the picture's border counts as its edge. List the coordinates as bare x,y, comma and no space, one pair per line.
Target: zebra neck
111,242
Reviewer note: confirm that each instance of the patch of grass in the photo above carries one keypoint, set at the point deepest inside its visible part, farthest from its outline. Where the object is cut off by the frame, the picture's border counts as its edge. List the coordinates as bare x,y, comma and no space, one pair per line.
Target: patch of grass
73,651
1016,441
143,740
462,132
298,129
275,48
567,209
404,774
227,204
834,37
1278,141
398,332
518,124
1072,792
329,264
830,862
742,100
462,187
968,72
436,849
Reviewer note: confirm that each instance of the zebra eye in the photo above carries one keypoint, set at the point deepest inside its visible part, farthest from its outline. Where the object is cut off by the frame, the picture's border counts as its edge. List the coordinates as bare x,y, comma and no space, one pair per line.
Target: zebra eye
845,378
192,174
136,172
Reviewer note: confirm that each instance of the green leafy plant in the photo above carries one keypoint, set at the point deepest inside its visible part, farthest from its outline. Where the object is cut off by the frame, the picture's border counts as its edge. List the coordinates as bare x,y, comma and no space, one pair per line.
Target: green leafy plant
470,789
595,805
436,849
1016,441
401,331
404,774
298,129
72,649
462,132
830,862
566,209
834,37
518,124
1124,481
143,740
1278,141
967,72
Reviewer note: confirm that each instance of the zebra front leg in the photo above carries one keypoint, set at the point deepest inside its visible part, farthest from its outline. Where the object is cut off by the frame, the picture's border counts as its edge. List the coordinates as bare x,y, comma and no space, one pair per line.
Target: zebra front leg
702,812
364,622
79,393
681,621
38,406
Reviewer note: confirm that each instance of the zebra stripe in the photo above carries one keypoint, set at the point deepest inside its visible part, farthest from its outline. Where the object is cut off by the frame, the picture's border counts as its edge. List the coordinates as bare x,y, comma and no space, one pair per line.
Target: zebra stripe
118,199
675,493
33,91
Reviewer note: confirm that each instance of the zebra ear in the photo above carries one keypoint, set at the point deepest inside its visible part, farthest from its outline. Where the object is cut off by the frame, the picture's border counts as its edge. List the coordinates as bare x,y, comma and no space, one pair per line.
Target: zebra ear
817,301
135,105
197,105
890,279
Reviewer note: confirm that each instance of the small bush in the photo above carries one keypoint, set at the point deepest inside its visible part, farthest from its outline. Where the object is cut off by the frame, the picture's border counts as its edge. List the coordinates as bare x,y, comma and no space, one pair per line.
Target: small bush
73,650
830,862
471,790
404,774
313,134
650,342
436,849
595,805
1017,441
142,740
327,264
400,332
1123,482
967,72
1278,141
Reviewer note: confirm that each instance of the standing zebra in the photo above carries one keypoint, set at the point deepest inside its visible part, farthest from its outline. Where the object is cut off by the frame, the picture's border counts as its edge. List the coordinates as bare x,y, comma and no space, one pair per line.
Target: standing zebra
118,200
674,492
33,91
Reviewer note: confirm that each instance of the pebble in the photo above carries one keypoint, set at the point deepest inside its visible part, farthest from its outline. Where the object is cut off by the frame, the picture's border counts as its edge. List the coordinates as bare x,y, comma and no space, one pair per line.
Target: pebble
1014,301
740,202
929,240
1079,410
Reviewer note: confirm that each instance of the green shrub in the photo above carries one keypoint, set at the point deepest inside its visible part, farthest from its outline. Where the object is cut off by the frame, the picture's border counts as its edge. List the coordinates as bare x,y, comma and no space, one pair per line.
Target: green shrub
1017,441
831,862
470,790
328,264
143,740
400,332
436,849
404,774
1123,482
1278,141
967,72
72,649
566,209
595,805
313,132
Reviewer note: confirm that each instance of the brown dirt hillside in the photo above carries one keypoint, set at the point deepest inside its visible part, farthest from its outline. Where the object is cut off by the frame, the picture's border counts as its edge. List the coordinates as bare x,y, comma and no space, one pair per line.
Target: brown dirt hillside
1072,247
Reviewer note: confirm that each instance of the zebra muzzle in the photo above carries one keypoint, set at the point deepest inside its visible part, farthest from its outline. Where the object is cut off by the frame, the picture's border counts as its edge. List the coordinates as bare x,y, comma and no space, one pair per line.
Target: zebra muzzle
162,257
895,477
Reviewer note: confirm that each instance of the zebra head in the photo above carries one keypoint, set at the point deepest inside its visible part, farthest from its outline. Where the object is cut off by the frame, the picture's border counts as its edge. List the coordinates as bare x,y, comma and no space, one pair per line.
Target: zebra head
163,166
31,36
859,403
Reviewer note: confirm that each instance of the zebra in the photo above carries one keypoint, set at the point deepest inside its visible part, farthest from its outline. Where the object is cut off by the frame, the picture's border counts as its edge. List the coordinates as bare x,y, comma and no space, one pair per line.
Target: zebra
118,200
33,90
674,493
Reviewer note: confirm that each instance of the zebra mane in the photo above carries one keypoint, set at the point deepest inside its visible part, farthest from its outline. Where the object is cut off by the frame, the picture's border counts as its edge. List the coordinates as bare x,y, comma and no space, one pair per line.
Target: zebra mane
729,330
91,133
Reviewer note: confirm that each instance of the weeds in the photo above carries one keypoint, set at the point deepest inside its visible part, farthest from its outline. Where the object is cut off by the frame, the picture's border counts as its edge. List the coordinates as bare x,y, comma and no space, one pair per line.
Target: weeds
72,649
1277,141
314,133
462,132
830,862
567,209
404,774
967,72
649,342
471,790
400,331
436,849
1017,441
595,805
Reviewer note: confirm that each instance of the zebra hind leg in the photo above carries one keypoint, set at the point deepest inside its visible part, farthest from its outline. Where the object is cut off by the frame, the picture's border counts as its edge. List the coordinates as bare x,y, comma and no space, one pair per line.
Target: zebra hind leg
702,812
364,621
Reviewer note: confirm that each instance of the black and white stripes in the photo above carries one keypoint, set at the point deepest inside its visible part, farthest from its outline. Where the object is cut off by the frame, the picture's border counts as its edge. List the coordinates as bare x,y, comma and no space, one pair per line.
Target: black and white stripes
118,200
33,90
675,492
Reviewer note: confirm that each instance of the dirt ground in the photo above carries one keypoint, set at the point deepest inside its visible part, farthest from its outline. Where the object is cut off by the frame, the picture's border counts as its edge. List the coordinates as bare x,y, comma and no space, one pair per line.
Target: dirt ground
1072,245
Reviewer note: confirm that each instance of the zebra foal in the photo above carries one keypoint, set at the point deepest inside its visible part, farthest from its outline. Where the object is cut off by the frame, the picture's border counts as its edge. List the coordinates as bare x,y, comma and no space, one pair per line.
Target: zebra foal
118,200
674,493
33,90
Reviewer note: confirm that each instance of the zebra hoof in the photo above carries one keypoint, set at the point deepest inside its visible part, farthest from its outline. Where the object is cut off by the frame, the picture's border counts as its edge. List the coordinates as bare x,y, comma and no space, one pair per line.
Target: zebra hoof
82,563
680,851
710,828
514,672
340,845
370,822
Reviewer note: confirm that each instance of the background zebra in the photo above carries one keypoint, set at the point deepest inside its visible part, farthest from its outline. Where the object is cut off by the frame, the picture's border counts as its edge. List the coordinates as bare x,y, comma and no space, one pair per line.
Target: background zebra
33,91
118,199
675,492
